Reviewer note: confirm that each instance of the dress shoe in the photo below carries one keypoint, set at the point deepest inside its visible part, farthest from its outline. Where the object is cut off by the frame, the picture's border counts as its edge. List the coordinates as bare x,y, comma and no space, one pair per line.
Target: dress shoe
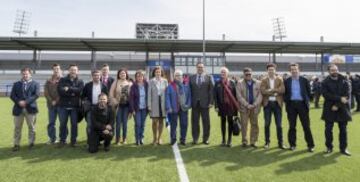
311,149
172,142
16,148
31,146
182,143
253,146
345,152
206,142
281,146
141,142
328,150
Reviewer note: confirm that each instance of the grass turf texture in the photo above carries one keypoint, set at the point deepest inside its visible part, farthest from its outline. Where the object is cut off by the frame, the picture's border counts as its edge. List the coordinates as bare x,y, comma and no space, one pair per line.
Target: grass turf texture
156,163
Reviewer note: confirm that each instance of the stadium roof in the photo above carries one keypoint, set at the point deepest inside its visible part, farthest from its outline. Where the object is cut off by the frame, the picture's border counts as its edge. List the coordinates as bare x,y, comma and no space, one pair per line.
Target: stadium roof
100,44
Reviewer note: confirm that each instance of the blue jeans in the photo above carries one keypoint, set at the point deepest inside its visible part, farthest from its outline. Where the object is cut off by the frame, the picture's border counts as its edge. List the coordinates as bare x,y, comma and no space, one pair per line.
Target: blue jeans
63,116
121,120
51,129
273,107
140,118
88,123
183,115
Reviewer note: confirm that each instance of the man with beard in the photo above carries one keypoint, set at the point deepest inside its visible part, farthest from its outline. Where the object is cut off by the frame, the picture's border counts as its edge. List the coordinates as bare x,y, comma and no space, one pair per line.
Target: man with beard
335,90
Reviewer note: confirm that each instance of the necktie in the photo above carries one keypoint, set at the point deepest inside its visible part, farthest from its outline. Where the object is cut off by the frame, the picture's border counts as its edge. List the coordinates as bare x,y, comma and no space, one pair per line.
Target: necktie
199,80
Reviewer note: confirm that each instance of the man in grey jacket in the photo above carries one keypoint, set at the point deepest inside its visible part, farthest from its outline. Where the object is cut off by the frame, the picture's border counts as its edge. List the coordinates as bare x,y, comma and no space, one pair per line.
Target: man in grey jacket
201,86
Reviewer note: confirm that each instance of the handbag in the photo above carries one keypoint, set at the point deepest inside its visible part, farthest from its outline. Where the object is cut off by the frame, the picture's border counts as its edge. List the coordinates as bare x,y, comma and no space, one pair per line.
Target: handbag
236,126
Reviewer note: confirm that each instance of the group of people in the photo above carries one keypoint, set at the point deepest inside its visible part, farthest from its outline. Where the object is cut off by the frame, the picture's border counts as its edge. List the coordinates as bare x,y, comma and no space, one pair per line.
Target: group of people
108,103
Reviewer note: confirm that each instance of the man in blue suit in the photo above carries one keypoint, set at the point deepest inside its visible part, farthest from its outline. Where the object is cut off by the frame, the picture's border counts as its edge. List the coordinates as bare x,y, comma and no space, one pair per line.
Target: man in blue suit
297,96
24,94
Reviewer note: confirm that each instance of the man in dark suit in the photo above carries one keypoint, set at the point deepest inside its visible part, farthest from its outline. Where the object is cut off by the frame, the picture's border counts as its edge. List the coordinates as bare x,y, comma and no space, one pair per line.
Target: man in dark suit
201,86
105,78
297,96
336,92
24,94
90,96
69,89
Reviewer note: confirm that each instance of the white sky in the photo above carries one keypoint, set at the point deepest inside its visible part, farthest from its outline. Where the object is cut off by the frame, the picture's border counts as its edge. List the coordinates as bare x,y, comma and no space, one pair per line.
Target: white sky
305,20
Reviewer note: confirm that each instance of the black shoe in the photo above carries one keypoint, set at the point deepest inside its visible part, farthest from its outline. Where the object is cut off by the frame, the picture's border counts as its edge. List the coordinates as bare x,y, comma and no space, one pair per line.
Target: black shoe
253,146
31,146
328,151
61,144
292,148
107,148
311,149
345,152
182,143
141,142
229,145
206,142
173,142
137,143
281,146
16,148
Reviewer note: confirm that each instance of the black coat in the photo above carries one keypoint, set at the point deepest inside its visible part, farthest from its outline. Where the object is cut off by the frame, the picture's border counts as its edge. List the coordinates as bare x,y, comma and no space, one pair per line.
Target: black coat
87,91
102,117
304,90
219,98
332,91
71,97
109,83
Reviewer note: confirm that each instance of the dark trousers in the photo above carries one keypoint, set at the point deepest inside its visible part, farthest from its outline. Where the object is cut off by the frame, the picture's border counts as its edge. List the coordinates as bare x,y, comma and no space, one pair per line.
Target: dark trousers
64,114
230,122
53,113
342,134
357,97
195,117
94,139
183,120
295,109
316,99
273,107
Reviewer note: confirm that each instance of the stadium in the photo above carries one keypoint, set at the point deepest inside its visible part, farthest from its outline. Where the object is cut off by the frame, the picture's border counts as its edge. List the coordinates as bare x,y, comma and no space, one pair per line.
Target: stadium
160,44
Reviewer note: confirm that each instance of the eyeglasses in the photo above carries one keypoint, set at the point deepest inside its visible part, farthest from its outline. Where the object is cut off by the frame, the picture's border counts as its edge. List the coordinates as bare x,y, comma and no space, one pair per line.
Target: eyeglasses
248,74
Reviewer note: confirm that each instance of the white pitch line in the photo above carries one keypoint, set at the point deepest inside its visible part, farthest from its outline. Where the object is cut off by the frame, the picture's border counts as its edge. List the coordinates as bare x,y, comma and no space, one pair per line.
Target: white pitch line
179,162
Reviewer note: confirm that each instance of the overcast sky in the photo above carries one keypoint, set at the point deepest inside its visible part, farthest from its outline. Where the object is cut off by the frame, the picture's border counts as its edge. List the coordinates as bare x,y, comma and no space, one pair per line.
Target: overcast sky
305,20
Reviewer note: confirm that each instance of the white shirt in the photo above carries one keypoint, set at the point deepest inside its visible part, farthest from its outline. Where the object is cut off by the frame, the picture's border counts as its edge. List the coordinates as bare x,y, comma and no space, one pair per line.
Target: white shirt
158,85
272,85
96,91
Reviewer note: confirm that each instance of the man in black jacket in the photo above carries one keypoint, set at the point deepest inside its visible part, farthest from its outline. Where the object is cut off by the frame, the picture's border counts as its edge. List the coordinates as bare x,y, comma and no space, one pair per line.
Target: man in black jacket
90,96
297,97
102,119
335,89
69,89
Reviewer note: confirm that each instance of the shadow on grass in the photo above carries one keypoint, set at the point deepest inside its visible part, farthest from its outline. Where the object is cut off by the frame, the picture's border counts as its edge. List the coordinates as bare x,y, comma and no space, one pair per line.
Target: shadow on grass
43,153
238,157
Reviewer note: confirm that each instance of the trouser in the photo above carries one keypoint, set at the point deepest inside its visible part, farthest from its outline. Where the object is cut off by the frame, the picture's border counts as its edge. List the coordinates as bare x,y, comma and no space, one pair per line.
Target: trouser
18,122
357,97
64,113
121,121
317,98
295,109
342,134
140,118
195,125
94,139
51,128
183,120
273,108
254,127
230,122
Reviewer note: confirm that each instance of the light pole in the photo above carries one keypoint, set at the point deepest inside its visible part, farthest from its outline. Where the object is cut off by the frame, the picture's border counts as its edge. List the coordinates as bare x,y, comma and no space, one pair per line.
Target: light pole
204,54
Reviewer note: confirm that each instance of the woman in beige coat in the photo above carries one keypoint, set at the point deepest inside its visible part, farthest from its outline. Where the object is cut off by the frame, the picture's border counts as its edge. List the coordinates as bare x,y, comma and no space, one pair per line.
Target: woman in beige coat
119,99
156,102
